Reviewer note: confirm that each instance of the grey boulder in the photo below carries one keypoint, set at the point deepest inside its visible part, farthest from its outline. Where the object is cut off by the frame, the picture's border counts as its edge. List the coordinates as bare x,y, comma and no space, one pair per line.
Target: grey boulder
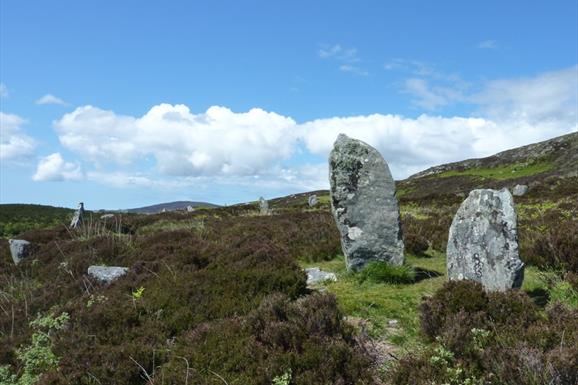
107,274
312,201
483,241
315,276
19,249
364,205
519,190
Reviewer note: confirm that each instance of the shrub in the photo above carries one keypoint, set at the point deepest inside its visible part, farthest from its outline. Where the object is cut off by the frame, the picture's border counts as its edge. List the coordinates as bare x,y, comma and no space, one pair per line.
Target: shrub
383,272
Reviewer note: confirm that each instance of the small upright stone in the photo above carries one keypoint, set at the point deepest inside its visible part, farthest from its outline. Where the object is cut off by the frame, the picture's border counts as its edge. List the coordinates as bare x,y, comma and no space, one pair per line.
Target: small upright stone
483,241
19,249
519,190
190,209
264,206
364,204
78,217
107,274
312,200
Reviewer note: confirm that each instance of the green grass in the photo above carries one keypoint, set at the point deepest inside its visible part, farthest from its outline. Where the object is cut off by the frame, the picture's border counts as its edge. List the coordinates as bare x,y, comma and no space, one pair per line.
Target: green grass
502,172
380,302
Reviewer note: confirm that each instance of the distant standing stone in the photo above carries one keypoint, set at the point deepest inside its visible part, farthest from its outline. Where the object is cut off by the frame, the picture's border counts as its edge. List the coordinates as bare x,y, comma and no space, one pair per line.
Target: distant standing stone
312,200
483,241
107,274
78,217
190,209
316,275
519,190
264,206
19,249
364,204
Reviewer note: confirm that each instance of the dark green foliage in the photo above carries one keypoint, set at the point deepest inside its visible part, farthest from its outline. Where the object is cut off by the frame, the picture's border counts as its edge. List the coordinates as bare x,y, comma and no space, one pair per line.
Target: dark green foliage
495,338
382,272
17,218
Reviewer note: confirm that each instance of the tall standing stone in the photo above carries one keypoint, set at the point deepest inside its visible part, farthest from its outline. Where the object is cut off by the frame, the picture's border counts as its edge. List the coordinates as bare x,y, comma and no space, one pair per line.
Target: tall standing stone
364,204
78,217
483,241
264,206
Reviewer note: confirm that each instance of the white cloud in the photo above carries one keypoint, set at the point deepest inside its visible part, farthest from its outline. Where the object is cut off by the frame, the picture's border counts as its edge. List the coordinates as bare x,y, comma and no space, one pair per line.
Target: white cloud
175,148
346,57
3,90
51,99
431,97
14,143
54,168
488,44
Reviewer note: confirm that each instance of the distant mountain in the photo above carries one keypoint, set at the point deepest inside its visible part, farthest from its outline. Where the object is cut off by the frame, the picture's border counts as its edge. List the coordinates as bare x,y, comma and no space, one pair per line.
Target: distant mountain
170,206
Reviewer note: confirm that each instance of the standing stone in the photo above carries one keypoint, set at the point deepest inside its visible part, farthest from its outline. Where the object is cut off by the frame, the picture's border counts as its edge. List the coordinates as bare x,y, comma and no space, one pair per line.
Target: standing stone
190,209
364,204
19,249
312,200
483,241
264,206
78,217
519,190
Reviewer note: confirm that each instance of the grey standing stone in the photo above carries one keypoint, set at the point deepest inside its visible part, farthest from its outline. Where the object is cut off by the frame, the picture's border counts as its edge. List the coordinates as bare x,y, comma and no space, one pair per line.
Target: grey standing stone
78,217
107,274
19,249
312,201
519,190
190,209
364,204
264,206
483,241
316,275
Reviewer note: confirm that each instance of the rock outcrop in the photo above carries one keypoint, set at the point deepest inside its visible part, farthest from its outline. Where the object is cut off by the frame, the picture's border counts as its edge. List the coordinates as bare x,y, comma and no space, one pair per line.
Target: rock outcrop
364,204
483,241
19,249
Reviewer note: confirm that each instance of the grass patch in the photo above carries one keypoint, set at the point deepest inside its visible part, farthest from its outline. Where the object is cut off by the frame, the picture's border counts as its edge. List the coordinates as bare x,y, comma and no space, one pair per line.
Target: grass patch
197,224
382,272
503,172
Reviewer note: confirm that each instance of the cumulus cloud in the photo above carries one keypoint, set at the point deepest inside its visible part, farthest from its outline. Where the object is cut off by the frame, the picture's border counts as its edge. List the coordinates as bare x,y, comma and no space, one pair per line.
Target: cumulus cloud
54,168
51,99
14,143
174,147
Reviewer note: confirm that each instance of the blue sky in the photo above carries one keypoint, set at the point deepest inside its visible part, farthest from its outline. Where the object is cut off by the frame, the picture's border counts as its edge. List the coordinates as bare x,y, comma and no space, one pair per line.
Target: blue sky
127,103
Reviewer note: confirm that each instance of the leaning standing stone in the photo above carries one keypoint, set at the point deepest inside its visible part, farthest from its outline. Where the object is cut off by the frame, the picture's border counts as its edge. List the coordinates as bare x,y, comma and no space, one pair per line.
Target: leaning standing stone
78,217
364,204
19,249
483,241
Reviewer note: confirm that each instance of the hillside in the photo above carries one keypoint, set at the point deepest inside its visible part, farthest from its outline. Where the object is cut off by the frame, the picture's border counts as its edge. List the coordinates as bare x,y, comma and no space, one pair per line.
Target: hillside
170,206
219,296
16,218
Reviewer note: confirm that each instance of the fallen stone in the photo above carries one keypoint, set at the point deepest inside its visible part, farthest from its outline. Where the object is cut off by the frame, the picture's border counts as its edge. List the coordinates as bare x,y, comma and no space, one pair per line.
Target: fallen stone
315,275
483,241
312,201
107,216
364,205
107,274
78,217
19,249
519,190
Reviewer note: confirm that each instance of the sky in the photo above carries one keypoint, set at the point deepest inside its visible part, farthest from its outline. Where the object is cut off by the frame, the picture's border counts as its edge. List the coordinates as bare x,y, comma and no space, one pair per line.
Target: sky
122,104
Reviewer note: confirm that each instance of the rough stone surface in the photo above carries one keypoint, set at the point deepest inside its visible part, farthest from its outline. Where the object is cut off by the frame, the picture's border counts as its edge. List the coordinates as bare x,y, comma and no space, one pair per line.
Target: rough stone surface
364,204
19,249
107,274
316,275
264,206
519,190
312,201
483,241
78,217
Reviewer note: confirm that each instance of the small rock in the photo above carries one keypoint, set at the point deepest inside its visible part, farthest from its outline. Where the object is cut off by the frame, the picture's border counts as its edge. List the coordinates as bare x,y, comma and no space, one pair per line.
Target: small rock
107,216
190,209
519,190
483,241
19,249
312,201
78,217
316,275
392,323
107,274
